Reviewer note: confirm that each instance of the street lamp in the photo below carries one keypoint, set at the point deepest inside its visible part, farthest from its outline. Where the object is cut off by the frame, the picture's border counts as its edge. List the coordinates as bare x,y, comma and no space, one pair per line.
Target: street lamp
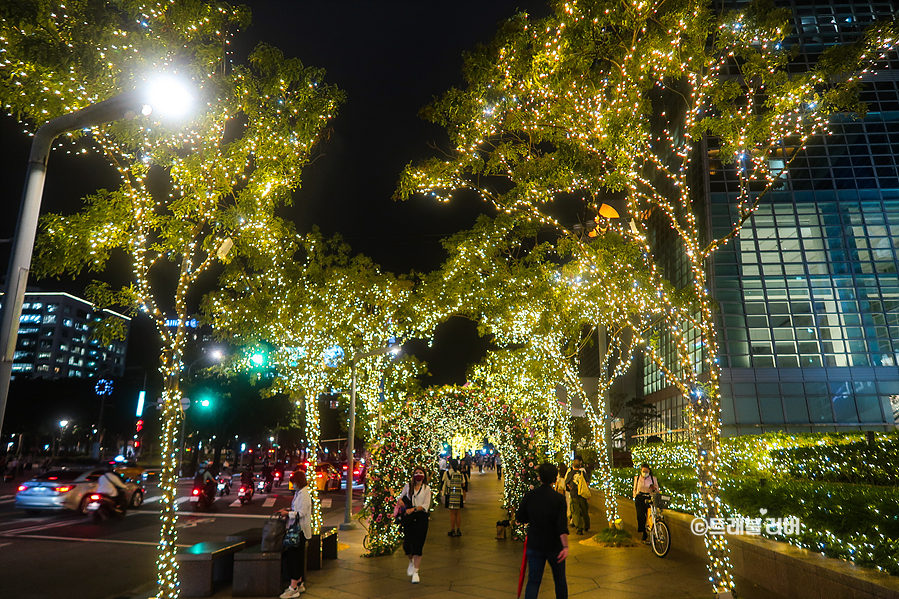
350,450
62,428
163,91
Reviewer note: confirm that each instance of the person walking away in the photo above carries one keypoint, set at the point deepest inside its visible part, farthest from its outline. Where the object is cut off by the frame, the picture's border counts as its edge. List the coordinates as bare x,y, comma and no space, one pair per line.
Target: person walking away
544,511
499,466
645,484
111,485
561,489
580,516
416,506
300,513
454,498
441,466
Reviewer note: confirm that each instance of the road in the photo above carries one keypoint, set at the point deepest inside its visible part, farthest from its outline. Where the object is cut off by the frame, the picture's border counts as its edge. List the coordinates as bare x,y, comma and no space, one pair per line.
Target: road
65,555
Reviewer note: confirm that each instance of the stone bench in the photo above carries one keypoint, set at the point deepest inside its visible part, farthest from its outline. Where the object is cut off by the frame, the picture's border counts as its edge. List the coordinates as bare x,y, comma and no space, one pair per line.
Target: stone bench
206,564
321,547
257,574
250,536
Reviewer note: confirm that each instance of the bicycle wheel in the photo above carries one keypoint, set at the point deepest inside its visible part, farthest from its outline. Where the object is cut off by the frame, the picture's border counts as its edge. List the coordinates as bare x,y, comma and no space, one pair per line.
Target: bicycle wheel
660,539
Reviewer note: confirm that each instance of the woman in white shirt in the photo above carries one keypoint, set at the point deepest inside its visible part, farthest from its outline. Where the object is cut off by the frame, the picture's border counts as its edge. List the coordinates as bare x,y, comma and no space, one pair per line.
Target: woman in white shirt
645,484
415,503
300,511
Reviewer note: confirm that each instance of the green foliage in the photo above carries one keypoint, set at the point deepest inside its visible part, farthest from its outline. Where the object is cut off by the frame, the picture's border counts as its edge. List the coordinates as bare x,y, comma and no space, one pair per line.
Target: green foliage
858,523
615,537
838,455
859,462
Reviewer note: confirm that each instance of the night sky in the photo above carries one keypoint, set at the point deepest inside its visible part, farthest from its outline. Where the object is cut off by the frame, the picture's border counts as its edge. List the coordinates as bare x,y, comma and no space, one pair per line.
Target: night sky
391,58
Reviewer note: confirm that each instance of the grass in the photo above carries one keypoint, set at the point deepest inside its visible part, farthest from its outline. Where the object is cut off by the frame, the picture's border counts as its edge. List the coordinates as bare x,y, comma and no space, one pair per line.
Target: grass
615,537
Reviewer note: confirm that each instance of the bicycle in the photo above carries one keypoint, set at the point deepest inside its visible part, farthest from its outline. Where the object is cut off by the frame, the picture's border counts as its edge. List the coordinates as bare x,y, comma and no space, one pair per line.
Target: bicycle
659,536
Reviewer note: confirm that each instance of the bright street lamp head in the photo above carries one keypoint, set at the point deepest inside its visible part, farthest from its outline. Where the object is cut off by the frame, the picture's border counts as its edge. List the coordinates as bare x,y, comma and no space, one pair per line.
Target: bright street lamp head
258,359
168,96
217,354
63,423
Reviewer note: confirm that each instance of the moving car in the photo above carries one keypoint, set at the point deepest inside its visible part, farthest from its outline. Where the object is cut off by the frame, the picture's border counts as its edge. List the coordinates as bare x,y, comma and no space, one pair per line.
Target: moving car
360,471
68,490
128,469
327,478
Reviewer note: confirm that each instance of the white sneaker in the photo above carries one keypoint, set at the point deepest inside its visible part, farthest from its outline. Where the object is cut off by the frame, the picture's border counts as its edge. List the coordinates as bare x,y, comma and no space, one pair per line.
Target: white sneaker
415,578
410,570
291,593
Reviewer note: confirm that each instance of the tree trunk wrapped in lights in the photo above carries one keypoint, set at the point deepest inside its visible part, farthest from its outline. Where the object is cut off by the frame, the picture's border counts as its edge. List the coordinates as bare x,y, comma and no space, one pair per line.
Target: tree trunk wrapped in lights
192,192
608,102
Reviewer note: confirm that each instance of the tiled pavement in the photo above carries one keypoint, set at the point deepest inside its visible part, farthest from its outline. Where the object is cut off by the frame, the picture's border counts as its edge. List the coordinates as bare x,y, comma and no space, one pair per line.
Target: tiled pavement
478,565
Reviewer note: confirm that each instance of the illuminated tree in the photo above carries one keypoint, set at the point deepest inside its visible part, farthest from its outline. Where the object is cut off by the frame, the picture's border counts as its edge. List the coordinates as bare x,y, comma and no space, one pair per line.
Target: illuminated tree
604,101
315,306
190,191
540,303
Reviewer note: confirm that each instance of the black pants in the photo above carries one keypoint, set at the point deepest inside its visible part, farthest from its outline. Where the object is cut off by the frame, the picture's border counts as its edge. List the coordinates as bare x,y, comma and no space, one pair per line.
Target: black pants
415,531
295,561
642,501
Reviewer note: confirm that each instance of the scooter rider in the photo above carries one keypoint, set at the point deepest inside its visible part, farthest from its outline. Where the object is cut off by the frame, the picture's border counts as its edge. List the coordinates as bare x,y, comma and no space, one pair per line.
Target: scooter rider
109,485
247,478
205,480
268,476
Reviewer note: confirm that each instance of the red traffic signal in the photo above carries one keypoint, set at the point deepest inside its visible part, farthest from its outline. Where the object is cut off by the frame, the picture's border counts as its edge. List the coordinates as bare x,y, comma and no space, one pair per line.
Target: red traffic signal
138,427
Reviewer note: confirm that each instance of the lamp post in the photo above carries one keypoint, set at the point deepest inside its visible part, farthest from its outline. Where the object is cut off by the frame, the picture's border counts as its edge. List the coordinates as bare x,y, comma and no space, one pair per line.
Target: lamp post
123,106
350,450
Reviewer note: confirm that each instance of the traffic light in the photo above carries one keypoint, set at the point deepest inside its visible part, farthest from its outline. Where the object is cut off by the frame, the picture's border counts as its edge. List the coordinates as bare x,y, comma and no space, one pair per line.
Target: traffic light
139,426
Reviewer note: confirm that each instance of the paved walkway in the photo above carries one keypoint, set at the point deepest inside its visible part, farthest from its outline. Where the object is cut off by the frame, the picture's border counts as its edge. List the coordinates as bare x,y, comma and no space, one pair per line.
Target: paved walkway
478,565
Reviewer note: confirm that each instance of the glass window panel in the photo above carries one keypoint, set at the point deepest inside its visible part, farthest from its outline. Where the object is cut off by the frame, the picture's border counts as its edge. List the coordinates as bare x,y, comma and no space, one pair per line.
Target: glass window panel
787,361
783,334
796,409
763,361
844,408
771,409
747,409
759,334
819,408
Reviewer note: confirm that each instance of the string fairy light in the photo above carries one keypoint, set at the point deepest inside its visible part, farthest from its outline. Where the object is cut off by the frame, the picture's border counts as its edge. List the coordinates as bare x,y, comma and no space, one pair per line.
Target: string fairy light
219,187
608,99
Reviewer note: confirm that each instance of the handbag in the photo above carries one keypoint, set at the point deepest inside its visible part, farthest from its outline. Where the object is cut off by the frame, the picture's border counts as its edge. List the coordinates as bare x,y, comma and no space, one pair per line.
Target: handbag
399,511
273,534
582,489
294,536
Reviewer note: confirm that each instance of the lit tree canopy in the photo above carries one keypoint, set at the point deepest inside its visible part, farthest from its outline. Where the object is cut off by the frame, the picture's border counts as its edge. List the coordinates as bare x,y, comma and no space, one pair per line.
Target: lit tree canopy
609,101
190,190
540,302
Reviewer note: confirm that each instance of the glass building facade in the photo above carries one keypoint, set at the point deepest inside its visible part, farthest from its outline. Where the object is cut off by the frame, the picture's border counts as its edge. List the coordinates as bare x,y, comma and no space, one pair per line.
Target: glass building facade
809,291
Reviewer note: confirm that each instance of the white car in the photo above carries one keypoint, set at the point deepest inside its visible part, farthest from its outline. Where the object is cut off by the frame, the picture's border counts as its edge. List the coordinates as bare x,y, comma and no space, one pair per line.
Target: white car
68,490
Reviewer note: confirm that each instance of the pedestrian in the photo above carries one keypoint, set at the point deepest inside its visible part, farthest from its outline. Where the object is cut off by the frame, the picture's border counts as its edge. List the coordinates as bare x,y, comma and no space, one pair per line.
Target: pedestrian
580,509
441,466
466,471
499,466
544,511
562,490
454,496
416,507
300,513
645,484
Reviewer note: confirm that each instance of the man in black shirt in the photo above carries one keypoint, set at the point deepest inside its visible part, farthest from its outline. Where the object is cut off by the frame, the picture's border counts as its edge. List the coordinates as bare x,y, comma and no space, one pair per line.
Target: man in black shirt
544,510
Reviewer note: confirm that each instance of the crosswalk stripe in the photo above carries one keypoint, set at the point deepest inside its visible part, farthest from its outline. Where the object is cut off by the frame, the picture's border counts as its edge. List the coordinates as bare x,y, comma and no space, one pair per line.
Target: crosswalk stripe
181,500
152,499
235,503
269,502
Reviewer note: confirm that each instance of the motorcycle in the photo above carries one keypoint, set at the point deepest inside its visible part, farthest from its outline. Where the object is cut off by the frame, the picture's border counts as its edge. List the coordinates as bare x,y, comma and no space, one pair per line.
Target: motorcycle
205,497
103,507
278,478
245,494
264,486
223,485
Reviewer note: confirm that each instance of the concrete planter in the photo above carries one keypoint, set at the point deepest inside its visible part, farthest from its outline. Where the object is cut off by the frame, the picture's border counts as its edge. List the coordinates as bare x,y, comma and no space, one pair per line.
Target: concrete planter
781,568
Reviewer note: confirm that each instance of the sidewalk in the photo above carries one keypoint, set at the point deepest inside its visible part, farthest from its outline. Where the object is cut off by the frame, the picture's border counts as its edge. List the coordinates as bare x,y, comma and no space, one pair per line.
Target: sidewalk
478,565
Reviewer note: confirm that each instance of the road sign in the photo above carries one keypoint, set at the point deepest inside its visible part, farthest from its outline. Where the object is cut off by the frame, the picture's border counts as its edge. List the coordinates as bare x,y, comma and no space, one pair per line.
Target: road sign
185,403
